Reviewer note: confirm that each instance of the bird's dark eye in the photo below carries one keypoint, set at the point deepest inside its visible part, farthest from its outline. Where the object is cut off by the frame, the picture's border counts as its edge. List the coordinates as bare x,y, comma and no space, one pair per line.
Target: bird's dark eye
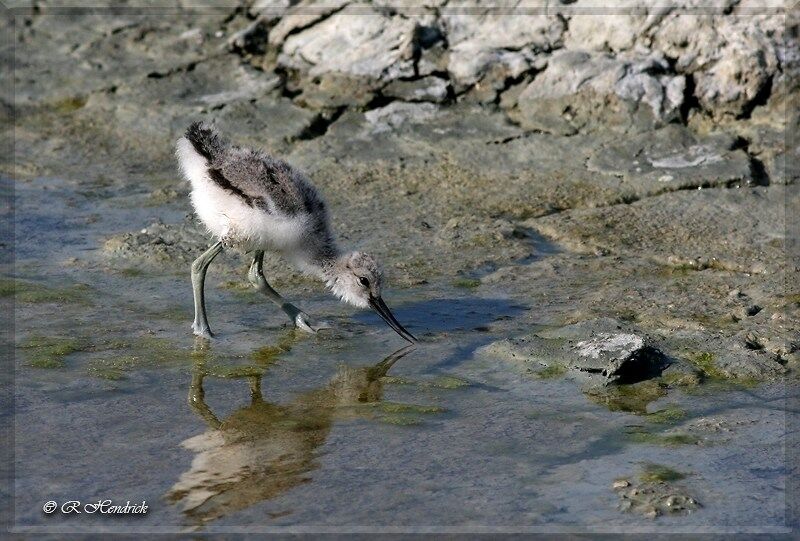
363,281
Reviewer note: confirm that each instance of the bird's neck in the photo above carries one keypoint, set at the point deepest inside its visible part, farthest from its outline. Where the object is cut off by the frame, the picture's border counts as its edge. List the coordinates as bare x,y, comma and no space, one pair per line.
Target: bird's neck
322,263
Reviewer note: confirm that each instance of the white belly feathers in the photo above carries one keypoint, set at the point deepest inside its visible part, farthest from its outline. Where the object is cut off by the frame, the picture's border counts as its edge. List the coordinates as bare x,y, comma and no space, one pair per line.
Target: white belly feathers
226,215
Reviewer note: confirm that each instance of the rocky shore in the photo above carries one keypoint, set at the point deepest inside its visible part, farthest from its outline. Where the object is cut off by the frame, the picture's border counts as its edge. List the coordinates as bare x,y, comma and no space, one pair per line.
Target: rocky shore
626,165
587,214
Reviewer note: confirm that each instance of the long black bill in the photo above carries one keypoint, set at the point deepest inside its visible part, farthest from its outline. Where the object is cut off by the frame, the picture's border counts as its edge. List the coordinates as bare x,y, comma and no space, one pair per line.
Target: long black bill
380,307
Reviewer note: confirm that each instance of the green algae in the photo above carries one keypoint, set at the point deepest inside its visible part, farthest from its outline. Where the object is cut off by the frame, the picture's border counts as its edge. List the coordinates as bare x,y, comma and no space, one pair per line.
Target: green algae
159,350
705,362
552,371
397,380
439,382
69,105
112,369
173,313
118,356
627,315
234,372
680,439
466,283
396,407
49,351
445,382
243,291
29,292
657,473
679,269
131,272
161,196
400,420
632,398
268,354
668,415
237,286
669,440
680,379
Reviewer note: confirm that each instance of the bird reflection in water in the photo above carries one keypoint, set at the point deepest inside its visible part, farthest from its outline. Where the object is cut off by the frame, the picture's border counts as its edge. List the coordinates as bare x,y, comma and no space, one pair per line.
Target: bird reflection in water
263,449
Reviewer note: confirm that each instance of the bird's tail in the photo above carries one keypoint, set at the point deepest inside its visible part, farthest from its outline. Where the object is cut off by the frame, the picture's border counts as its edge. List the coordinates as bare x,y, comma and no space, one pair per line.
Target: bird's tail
206,140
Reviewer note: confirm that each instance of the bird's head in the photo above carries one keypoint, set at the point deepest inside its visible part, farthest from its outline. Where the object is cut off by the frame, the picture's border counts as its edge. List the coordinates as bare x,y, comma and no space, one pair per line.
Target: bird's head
356,278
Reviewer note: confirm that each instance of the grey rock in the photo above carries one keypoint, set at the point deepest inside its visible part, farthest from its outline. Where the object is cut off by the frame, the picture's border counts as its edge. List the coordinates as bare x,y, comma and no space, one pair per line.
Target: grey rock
481,41
356,41
333,90
301,15
240,83
608,353
433,60
270,11
733,58
584,91
599,349
265,123
429,88
592,27
606,347
784,167
718,49
396,114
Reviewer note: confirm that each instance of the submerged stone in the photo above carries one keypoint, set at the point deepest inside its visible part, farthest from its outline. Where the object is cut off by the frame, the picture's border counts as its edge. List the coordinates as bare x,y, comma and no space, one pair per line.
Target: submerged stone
655,494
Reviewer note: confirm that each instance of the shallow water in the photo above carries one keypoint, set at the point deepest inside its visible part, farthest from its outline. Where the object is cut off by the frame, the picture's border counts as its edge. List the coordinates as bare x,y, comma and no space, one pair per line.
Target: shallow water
267,429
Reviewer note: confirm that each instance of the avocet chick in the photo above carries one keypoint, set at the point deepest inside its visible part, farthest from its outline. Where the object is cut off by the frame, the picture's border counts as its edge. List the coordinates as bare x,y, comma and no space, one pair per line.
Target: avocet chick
254,202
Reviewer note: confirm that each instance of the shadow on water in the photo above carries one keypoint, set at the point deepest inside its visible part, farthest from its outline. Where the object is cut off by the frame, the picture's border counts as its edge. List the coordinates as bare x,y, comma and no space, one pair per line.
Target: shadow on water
451,315
464,321
264,449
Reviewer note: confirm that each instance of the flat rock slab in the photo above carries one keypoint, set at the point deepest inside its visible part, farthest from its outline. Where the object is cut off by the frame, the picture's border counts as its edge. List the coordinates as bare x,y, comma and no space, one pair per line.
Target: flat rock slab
68,55
599,349
739,363
672,158
740,230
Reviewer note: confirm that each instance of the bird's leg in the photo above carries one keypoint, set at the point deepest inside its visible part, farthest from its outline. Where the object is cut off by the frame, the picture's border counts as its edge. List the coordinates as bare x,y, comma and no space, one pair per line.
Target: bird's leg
197,401
256,277
255,389
199,268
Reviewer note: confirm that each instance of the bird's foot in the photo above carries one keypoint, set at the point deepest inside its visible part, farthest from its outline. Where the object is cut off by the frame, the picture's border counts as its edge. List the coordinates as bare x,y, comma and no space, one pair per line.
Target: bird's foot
302,320
255,277
304,323
203,331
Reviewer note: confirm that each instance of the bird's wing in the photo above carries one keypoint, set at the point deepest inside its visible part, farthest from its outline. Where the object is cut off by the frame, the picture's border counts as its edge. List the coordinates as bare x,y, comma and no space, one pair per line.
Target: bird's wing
263,182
